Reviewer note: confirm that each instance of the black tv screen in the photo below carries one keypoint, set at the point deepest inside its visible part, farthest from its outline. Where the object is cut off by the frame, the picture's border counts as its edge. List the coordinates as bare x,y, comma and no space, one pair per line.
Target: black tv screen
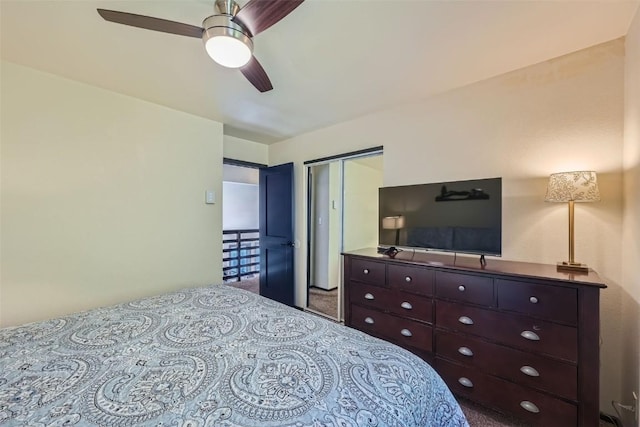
457,216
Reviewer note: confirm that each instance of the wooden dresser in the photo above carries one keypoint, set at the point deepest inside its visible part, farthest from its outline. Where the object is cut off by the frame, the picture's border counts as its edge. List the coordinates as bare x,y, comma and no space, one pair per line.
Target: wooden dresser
520,338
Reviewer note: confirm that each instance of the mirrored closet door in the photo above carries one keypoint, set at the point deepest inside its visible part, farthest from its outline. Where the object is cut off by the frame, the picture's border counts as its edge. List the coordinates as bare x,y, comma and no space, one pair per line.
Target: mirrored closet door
342,215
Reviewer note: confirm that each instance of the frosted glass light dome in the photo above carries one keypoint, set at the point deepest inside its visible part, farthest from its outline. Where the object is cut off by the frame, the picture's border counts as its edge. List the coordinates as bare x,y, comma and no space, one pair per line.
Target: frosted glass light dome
228,51
226,42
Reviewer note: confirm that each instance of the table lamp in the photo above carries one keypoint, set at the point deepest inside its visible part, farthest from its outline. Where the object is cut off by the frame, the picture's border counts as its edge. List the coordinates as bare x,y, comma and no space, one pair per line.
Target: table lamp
571,187
393,223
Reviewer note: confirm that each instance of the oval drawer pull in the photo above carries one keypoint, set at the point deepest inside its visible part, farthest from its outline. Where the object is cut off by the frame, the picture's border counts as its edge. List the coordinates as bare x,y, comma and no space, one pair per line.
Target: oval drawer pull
528,370
532,336
465,382
461,288
529,406
368,296
406,305
407,279
406,333
465,351
533,300
369,320
365,271
465,320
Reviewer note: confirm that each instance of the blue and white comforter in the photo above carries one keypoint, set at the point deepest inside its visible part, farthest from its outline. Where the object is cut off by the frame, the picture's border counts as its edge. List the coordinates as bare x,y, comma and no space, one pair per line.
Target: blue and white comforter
214,356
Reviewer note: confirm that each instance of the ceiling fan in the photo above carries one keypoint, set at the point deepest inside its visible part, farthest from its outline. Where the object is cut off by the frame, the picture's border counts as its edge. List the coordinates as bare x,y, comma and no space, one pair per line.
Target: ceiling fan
227,35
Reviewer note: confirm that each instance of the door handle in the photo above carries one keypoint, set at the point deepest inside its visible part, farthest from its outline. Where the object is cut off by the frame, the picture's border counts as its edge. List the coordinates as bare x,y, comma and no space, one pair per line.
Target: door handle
529,406
529,370
465,351
465,382
531,336
465,320
290,244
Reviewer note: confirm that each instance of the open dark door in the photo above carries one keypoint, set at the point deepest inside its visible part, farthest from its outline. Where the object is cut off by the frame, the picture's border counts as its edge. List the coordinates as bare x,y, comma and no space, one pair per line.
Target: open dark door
276,233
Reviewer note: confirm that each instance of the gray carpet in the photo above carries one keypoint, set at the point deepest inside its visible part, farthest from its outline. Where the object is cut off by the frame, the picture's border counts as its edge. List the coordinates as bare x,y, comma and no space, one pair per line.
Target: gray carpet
251,285
482,417
325,302
321,301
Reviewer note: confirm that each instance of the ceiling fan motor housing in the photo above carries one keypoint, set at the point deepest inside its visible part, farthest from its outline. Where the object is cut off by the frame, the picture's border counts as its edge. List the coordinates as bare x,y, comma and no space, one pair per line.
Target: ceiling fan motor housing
227,7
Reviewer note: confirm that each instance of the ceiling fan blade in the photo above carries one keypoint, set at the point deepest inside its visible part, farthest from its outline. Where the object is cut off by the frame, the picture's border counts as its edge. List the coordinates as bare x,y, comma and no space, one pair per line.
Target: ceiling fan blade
149,23
254,72
258,15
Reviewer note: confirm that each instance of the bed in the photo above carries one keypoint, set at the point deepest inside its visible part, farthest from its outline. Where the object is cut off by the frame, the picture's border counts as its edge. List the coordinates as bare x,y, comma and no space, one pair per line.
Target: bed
212,356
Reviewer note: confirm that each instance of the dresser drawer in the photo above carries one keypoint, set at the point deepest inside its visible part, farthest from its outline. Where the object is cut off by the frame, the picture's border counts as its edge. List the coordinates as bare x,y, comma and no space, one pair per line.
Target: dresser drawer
401,303
465,288
531,406
403,332
368,272
411,279
369,295
543,373
410,305
519,331
546,301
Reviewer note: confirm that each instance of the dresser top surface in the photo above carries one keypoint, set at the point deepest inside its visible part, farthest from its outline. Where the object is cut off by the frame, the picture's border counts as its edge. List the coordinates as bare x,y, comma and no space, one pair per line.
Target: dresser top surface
493,266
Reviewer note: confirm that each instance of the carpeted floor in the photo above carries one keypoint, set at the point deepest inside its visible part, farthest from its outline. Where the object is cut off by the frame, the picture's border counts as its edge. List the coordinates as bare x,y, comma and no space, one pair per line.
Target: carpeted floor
321,301
251,285
477,416
326,302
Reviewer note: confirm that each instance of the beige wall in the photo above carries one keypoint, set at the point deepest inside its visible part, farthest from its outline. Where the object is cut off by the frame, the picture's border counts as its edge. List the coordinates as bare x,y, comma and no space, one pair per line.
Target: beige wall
563,114
245,150
102,197
631,215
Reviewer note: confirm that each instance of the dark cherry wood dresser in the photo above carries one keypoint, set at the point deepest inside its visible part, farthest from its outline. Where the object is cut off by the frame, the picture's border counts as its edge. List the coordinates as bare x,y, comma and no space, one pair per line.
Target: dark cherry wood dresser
520,338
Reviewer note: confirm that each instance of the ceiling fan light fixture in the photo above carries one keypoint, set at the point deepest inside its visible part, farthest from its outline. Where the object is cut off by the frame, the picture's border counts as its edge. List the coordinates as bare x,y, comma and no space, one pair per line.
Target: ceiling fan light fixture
227,35
226,42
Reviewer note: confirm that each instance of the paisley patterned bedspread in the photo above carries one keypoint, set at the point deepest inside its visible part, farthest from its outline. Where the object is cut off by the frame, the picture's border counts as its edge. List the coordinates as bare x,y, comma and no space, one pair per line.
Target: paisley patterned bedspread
213,356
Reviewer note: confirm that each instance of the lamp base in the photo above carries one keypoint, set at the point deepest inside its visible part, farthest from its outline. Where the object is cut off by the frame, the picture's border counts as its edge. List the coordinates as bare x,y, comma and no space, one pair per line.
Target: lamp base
574,267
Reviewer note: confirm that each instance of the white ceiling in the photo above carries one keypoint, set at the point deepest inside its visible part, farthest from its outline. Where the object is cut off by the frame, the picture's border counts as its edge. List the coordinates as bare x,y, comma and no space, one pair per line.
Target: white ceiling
329,60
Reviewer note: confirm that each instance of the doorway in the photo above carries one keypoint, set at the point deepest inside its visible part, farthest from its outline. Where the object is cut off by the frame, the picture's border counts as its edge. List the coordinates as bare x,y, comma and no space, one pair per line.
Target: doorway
240,225
342,215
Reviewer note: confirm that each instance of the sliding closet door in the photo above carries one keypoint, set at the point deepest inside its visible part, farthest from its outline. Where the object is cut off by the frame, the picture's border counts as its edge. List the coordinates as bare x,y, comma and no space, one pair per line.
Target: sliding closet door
362,179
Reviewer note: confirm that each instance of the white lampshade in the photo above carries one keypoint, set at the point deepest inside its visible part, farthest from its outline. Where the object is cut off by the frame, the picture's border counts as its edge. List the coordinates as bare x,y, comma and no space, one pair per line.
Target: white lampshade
571,187
579,186
393,222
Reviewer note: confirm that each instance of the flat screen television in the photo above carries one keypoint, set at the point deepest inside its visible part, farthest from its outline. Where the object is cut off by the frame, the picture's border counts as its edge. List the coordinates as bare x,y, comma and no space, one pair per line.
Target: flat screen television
457,216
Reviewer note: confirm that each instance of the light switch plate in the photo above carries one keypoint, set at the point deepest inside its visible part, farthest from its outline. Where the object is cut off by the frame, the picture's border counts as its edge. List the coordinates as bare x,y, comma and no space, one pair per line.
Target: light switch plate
210,197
